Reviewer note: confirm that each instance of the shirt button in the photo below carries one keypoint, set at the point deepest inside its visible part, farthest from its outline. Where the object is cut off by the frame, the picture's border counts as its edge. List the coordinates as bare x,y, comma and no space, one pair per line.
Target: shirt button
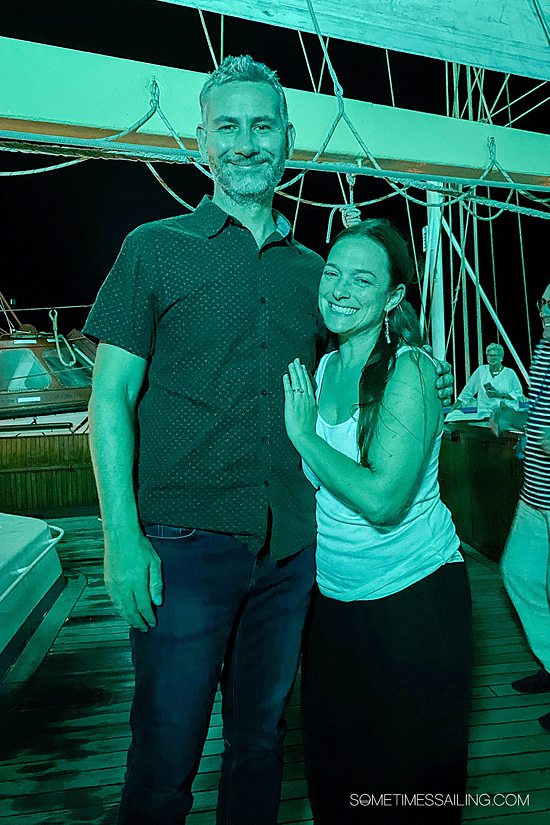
263,439
266,483
263,300
264,392
264,345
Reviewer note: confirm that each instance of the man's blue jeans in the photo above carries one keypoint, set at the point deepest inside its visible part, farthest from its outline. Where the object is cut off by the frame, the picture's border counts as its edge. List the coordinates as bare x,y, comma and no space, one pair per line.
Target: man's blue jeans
222,606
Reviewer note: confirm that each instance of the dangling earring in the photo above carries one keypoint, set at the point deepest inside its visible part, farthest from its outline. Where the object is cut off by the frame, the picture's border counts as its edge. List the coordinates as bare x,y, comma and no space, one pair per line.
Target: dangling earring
387,327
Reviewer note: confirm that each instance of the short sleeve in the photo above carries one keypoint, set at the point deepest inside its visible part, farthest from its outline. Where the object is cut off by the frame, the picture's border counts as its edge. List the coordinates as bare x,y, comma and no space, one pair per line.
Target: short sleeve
124,312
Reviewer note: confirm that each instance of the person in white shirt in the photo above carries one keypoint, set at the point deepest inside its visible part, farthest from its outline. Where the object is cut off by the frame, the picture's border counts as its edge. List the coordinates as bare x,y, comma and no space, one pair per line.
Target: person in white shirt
387,652
491,383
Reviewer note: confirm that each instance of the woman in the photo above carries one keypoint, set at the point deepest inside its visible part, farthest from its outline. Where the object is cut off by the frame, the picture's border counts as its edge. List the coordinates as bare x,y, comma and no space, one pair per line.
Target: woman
387,653
491,383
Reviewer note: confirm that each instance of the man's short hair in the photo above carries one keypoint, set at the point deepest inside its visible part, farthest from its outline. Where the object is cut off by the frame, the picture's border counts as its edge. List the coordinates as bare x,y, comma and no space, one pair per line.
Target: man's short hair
498,347
243,69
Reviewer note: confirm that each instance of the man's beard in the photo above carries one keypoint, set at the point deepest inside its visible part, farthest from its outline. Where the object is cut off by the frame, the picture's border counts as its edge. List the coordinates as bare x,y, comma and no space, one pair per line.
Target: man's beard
244,186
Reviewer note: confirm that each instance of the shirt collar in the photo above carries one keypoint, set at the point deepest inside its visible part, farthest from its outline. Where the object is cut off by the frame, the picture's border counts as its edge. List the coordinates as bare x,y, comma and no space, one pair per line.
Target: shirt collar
210,220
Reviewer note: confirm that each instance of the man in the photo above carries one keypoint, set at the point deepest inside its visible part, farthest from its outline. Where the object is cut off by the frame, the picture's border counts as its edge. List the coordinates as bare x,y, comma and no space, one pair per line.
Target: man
525,563
212,563
491,383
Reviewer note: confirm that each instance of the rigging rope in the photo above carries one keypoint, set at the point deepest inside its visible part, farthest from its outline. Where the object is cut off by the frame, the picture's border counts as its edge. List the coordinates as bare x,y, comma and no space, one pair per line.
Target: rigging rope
431,262
337,205
209,42
344,196
532,109
349,211
61,338
54,168
534,197
469,195
504,85
521,245
489,218
542,18
11,327
490,309
315,89
479,334
303,45
447,98
168,189
456,90
298,204
523,272
465,319
323,64
390,78
455,288
46,309
155,99
407,203
506,107
510,207
20,172
454,294
468,91
415,256
483,99
8,309
493,268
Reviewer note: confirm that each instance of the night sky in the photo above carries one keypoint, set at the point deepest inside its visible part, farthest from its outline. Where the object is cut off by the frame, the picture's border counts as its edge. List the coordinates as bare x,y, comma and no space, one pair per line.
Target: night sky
61,231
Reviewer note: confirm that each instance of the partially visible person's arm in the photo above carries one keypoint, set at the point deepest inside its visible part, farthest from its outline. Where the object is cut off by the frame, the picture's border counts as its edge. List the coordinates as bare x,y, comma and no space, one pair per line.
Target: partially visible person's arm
409,418
444,380
132,567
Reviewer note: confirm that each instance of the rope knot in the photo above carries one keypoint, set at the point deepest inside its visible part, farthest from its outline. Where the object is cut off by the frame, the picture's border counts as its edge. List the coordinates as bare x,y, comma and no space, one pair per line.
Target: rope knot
351,215
350,180
154,91
492,147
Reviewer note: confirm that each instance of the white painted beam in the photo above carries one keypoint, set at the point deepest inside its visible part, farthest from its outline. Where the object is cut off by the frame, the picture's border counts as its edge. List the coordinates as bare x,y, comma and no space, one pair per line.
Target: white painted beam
54,91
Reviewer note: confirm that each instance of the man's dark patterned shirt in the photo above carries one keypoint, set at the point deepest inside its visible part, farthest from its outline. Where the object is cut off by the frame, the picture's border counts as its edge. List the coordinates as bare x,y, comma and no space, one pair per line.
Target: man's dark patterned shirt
218,321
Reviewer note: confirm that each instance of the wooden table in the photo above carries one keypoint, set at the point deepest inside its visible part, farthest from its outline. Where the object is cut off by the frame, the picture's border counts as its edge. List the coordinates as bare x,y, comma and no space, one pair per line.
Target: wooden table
480,480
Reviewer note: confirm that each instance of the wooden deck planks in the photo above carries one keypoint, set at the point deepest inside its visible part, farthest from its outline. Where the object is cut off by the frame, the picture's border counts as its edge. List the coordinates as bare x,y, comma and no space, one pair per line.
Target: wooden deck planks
65,733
